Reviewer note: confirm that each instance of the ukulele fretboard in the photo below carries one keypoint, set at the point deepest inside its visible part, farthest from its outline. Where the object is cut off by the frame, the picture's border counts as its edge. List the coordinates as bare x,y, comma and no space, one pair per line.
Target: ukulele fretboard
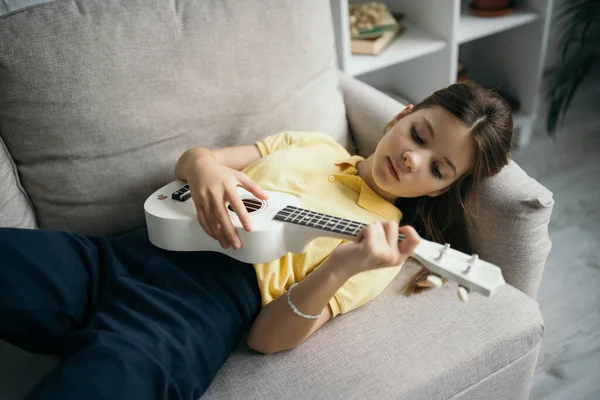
313,219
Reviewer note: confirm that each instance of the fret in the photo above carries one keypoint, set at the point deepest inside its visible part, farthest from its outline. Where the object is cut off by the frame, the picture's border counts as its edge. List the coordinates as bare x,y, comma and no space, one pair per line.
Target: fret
337,221
311,222
304,217
330,223
349,227
283,214
286,213
299,215
341,229
318,223
357,229
295,214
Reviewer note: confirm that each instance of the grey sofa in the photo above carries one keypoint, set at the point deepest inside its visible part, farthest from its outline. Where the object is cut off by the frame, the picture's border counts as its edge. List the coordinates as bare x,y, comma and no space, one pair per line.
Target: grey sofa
99,98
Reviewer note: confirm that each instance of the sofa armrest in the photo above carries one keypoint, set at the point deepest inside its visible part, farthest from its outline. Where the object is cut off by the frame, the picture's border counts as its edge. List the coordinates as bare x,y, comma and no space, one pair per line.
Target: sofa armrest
368,111
510,212
426,346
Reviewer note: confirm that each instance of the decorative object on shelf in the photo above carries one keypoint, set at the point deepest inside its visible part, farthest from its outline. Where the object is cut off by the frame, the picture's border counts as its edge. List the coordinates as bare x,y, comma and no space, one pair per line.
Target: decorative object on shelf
372,27
580,51
368,20
492,8
462,73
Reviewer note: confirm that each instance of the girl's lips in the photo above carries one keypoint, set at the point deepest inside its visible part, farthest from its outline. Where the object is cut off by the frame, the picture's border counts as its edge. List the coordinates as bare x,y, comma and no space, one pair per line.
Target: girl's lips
392,169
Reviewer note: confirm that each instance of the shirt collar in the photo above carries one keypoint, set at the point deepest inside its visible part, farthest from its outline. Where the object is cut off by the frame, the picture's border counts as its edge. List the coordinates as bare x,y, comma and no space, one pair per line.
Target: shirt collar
349,165
368,198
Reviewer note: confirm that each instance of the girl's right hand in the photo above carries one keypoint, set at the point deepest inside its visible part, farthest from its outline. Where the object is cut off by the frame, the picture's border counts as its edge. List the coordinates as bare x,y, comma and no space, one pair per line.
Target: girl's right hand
212,186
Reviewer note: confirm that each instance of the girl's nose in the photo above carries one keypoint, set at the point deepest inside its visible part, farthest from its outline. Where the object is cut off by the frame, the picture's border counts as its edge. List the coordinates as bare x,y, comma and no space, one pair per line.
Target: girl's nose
412,160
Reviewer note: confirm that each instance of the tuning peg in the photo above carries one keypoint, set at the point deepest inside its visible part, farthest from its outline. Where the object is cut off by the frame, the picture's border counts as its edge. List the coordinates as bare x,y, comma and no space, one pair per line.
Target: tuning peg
443,251
463,294
471,263
435,280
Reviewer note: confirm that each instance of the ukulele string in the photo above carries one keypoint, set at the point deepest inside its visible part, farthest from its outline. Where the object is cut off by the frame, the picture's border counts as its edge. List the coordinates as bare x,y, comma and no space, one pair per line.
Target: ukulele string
360,225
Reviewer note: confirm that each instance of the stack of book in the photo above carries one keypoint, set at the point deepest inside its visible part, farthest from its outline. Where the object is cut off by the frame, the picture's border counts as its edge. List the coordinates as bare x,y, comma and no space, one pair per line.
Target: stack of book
372,27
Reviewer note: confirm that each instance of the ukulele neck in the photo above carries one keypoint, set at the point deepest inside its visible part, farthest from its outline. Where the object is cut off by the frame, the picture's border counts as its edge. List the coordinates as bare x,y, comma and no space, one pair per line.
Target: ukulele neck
324,222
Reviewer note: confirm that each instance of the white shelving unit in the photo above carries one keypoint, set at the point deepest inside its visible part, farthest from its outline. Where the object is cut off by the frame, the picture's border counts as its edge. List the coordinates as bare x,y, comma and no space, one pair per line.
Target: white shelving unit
472,27
506,53
416,43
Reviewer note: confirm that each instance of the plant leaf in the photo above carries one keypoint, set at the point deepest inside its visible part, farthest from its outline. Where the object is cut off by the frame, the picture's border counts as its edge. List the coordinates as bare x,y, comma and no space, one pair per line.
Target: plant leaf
580,50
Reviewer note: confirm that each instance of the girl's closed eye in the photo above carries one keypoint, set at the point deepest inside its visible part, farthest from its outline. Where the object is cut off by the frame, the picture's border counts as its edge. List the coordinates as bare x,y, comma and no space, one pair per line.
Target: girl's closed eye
415,136
419,140
436,171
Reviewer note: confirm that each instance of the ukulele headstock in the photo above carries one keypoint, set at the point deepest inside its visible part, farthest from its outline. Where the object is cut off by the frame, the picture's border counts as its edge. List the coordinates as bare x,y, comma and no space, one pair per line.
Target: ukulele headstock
470,272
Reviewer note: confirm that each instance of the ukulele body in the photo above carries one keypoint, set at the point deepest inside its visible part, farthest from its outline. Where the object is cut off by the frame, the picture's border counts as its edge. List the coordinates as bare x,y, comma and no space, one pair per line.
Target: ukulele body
173,225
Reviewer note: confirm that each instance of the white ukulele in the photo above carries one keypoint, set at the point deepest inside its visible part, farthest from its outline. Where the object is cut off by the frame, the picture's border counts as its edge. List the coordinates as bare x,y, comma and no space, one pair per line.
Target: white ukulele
280,226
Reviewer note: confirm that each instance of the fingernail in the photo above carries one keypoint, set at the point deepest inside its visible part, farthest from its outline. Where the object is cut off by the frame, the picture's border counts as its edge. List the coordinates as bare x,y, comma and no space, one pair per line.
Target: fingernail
236,245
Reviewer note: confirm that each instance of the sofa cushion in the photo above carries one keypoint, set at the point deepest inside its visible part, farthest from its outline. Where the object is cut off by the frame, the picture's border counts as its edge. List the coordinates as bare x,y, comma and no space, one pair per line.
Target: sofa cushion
427,346
99,99
15,208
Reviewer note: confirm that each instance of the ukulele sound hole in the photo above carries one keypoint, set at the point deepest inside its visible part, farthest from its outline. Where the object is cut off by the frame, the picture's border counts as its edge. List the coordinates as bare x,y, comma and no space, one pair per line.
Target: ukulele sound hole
252,205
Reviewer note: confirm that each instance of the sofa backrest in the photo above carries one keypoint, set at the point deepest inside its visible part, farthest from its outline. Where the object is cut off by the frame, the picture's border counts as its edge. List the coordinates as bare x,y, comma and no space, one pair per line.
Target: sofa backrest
99,99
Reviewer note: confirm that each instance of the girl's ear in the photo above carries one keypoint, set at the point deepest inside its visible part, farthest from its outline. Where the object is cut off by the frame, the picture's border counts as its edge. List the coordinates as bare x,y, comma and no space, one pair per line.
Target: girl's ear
439,192
398,117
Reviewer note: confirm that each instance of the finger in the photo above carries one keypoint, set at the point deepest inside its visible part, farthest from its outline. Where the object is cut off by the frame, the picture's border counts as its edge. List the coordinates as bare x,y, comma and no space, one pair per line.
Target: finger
374,233
361,234
379,230
212,218
228,232
203,222
251,186
391,233
240,209
410,241
198,202
201,212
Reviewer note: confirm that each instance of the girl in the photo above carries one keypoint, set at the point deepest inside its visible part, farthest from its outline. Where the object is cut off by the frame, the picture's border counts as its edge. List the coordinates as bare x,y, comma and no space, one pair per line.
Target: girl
134,321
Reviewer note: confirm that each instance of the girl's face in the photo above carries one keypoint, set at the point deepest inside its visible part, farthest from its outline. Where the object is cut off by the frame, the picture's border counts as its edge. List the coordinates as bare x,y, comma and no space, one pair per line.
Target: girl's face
423,153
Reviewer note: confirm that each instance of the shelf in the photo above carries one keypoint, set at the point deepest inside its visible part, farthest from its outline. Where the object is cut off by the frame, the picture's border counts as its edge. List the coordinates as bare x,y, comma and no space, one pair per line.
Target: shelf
414,42
472,27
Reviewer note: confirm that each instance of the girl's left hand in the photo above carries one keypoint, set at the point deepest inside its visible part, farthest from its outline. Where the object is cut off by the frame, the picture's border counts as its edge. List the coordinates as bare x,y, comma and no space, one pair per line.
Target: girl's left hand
377,247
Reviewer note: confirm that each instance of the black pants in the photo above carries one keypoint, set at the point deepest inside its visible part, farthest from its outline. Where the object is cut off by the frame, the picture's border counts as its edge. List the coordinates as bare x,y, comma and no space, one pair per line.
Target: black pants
130,321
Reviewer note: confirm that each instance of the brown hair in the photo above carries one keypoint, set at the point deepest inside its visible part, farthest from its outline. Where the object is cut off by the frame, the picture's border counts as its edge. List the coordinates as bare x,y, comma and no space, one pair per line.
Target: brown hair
442,219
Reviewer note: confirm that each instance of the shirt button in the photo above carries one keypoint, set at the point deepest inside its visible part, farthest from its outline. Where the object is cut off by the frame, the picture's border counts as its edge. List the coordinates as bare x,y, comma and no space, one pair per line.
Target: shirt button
331,178
352,170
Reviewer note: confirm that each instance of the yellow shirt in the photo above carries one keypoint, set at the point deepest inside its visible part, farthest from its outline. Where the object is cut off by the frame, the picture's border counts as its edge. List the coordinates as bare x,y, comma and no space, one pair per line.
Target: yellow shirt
319,171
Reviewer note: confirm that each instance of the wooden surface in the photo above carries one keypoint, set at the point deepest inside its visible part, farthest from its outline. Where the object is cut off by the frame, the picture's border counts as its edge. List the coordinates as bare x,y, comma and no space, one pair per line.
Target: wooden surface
569,297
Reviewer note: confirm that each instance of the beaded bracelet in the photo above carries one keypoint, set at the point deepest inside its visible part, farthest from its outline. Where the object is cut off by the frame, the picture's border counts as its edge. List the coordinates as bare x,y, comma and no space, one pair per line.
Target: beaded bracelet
293,307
